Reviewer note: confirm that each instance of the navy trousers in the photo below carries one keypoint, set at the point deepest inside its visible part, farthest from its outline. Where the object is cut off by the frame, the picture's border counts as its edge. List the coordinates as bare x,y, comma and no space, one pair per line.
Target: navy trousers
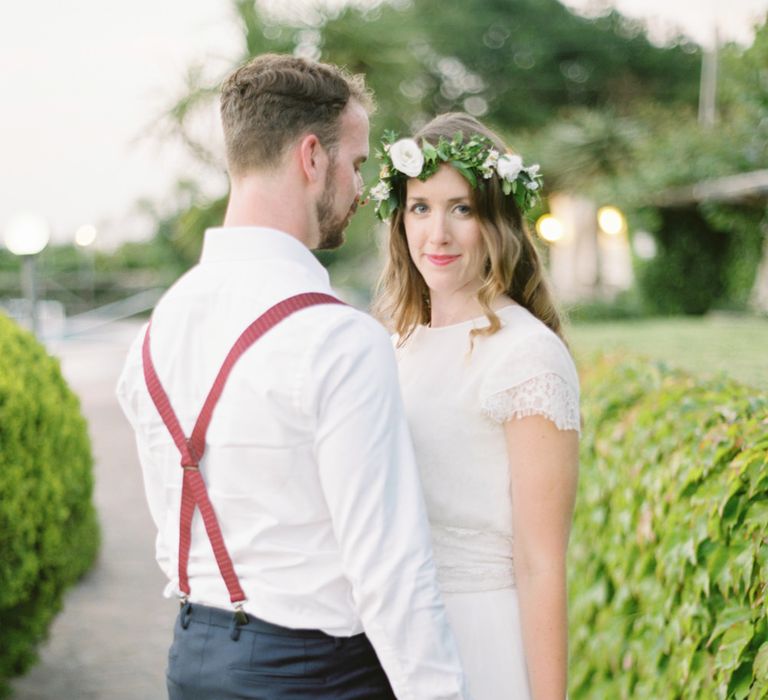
213,658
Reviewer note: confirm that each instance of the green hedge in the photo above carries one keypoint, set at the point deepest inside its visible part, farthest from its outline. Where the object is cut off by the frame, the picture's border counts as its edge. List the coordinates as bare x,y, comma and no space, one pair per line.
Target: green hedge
669,553
687,275
708,256
48,530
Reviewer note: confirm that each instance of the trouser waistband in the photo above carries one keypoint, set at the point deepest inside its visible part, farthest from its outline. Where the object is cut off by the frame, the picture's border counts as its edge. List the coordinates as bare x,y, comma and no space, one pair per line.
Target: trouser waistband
268,661
218,617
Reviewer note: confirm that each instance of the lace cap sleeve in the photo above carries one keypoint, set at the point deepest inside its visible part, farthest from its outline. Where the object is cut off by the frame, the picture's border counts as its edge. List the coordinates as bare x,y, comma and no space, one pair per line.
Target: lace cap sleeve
535,376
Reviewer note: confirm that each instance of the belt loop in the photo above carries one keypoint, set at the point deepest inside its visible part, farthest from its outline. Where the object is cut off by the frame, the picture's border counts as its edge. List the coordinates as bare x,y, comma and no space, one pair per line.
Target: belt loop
234,629
186,614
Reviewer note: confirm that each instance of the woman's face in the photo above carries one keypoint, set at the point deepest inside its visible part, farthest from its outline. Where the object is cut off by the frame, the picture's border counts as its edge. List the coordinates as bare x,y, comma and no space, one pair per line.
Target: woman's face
443,233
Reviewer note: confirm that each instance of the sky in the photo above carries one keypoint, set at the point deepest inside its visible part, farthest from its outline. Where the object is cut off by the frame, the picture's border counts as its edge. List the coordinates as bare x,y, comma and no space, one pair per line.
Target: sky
694,18
82,82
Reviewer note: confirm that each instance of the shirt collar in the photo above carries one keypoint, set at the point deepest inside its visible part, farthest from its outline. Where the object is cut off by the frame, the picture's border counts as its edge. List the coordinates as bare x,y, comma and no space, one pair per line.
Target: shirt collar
244,243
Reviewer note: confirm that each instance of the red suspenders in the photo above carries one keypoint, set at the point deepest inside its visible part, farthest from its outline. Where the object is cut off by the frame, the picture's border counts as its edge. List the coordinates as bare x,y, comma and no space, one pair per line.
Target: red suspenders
193,491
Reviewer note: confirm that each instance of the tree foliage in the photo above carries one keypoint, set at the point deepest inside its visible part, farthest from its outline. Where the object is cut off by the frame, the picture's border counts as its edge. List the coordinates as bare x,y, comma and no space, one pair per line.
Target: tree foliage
516,63
708,251
536,57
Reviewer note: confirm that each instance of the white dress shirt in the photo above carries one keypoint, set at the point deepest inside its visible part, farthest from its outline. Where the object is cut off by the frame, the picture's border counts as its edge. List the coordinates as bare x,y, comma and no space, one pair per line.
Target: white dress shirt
308,460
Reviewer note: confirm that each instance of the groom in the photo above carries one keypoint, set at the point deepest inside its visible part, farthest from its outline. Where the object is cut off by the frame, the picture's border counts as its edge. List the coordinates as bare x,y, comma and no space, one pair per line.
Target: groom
290,520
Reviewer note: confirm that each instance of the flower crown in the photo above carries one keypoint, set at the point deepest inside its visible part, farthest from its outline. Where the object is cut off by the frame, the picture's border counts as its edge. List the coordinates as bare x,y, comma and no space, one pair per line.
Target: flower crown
476,159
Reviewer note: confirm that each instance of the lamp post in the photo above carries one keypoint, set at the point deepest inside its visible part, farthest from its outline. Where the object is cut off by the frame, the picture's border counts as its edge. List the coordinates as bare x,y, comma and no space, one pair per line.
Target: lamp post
85,237
708,82
26,235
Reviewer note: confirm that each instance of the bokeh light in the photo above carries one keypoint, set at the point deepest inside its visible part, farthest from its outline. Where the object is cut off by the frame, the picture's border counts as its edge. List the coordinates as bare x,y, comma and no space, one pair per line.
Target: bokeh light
26,233
611,221
85,235
644,245
550,228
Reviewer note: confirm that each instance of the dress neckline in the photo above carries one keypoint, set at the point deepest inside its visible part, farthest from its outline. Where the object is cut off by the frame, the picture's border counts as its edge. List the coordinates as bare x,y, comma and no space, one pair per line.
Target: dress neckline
471,321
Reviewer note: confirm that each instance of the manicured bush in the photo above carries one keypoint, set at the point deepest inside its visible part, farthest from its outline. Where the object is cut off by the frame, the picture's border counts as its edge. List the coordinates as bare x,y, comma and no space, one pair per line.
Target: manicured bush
687,275
707,257
669,553
48,530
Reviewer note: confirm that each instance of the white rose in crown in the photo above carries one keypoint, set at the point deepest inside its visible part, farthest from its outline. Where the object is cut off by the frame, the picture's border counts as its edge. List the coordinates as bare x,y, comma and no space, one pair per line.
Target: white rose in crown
407,157
509,166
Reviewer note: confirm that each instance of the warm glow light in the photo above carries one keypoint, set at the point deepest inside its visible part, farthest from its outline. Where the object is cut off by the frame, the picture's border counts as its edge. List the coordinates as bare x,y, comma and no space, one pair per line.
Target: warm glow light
26,234
611,221
85,235
549,228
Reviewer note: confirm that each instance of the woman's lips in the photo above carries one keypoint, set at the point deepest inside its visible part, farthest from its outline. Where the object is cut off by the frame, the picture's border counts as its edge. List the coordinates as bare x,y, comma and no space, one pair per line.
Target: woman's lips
442,259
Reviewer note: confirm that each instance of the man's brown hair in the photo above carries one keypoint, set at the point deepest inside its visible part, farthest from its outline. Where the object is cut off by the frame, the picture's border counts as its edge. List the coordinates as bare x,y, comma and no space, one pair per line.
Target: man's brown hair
274,99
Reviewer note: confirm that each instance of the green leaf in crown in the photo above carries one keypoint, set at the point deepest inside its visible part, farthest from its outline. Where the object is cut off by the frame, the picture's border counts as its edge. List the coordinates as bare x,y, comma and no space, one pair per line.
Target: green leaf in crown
476,159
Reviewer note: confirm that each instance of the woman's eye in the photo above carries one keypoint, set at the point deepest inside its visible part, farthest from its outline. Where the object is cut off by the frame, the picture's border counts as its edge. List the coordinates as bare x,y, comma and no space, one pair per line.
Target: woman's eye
463,209
418,208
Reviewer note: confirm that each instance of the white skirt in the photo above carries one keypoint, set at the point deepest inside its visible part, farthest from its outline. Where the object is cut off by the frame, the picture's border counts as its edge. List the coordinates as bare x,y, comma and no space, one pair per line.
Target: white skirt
488,631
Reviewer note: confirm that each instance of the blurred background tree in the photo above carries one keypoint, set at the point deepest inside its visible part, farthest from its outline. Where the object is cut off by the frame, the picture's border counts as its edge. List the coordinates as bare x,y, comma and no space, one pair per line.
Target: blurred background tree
708,248
529,59
610,115
521,66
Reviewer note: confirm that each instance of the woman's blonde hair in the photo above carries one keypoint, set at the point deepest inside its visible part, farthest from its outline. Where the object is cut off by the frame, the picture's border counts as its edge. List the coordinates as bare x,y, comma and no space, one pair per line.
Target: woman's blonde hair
512,265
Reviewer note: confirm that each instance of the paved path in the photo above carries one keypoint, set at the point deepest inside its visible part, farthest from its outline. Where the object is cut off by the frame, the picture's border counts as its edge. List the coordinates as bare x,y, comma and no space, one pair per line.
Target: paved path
112,637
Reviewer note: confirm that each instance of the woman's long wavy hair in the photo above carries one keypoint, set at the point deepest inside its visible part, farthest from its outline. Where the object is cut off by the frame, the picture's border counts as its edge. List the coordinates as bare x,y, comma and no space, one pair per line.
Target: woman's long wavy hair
512,265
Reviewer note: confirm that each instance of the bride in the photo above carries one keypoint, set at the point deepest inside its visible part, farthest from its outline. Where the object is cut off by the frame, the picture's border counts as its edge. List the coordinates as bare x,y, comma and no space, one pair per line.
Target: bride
491,395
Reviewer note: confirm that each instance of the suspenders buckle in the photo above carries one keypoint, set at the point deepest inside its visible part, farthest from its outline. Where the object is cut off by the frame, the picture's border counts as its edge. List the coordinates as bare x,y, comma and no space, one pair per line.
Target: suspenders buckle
241,617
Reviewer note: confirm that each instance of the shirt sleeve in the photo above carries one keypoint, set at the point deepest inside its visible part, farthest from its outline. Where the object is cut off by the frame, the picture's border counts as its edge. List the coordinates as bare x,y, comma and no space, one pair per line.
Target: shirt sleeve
370,481
535,376
129,391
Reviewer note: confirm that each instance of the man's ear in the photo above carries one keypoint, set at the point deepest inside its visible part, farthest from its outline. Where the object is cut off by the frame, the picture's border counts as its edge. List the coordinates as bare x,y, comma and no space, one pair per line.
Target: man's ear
313,158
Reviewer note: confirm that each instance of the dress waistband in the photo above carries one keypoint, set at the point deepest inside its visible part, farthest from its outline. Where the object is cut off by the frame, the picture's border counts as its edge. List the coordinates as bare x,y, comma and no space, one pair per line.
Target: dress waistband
472,561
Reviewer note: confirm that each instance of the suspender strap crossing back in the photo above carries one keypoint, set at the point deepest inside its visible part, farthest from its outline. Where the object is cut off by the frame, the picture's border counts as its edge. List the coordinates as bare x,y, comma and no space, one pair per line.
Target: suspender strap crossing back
193,491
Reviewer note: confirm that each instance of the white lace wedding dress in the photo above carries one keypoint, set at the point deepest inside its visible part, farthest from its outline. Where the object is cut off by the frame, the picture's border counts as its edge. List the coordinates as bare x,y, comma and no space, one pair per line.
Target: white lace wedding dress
457,402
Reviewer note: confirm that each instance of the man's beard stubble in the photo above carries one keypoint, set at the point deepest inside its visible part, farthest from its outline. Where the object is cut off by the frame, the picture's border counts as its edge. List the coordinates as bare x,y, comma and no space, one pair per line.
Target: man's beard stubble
331,226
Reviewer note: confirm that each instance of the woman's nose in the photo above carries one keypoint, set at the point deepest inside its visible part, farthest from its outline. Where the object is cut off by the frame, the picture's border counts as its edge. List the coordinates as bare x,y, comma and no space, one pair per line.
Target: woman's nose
438,232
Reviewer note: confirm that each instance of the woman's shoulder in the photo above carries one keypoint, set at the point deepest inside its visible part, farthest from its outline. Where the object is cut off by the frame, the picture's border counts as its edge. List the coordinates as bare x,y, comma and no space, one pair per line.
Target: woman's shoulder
522,330
525,346
529,370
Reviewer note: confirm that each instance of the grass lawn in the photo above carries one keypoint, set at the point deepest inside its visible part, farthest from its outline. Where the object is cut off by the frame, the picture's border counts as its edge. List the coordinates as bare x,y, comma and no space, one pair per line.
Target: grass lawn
736,345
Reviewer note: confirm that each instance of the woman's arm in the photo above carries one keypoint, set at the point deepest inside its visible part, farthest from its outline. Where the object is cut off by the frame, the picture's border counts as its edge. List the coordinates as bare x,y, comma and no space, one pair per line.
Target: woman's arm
543,463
